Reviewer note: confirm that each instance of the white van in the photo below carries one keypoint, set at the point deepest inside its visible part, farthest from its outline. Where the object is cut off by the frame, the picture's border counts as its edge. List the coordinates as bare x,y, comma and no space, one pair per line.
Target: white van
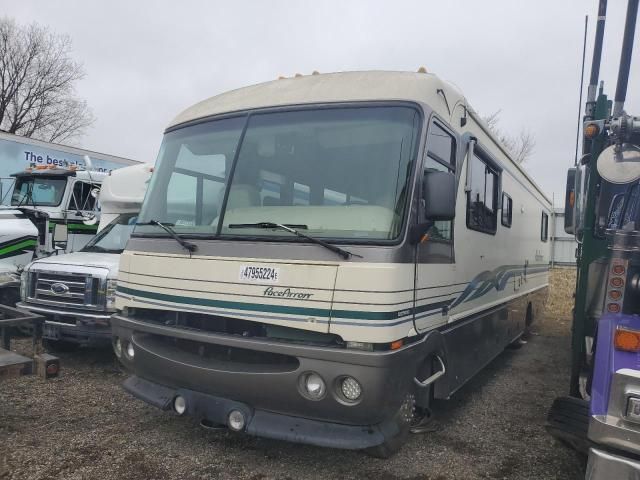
75,291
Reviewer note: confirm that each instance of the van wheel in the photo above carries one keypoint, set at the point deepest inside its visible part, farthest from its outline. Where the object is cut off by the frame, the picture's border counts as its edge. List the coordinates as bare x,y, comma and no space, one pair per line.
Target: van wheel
61,346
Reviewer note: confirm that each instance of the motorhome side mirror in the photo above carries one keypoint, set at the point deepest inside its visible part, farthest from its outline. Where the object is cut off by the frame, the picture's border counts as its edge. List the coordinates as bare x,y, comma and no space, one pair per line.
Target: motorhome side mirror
60,233
439,195
569,202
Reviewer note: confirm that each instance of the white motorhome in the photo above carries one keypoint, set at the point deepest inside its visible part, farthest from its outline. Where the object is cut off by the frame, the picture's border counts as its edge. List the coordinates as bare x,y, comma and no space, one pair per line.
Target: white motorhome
75,291
355,245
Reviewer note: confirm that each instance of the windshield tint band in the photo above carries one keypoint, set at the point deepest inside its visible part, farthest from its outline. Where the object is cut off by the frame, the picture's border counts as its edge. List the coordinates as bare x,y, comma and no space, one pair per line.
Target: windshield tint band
345,170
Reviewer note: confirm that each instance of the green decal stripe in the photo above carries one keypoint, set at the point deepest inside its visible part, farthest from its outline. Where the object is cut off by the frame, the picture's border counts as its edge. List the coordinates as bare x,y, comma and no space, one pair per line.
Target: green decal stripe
25,244
282,309
75,226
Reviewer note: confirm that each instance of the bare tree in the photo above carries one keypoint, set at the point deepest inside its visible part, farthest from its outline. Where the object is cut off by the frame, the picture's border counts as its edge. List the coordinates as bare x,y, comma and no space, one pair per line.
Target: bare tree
37,79
521,146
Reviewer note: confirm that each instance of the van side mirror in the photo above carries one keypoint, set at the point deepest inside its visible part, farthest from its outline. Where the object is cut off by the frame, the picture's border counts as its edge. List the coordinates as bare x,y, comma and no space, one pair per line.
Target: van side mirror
439,195
60,236
569,202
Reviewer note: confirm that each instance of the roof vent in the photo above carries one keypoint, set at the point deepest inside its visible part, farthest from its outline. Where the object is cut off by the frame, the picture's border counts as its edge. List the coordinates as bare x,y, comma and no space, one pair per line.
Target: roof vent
422,70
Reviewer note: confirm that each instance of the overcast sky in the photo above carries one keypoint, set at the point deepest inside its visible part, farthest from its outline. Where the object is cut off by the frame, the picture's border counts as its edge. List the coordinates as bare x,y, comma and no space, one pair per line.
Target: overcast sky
148,60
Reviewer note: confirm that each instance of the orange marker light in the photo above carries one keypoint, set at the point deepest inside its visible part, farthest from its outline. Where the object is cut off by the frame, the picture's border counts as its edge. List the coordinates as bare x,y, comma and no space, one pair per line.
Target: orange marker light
615,294
613,308
397,344
616,282
572,199
591,130
627,340
618,269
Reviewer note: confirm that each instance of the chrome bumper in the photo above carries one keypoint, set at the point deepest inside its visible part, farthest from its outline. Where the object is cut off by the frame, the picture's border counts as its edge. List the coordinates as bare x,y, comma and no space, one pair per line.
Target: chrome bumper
615,429
606,466
104,316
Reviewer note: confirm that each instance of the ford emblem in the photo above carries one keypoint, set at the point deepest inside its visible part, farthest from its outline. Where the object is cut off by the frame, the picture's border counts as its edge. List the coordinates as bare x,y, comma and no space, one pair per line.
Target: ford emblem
59,288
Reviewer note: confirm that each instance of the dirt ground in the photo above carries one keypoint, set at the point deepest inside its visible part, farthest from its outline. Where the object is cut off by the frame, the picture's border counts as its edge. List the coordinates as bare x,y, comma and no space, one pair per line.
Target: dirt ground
84,426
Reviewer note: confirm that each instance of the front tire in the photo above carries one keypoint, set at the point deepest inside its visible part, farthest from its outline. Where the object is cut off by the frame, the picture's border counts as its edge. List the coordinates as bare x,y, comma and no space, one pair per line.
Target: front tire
391,446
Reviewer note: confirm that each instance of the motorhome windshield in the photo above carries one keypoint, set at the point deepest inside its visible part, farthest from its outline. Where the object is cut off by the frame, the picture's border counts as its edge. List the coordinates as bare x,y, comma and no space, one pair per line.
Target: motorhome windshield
38,191
113,238
342,172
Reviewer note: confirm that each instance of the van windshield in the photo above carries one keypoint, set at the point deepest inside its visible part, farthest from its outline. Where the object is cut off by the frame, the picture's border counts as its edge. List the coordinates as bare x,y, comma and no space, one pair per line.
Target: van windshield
342,173
38,191
114,237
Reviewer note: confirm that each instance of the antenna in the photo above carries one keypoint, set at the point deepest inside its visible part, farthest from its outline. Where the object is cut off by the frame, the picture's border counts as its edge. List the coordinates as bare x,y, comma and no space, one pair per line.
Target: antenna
625,57
595,63
584,52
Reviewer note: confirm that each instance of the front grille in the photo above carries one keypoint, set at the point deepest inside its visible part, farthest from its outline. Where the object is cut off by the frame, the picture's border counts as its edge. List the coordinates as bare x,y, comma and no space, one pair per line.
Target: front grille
74,290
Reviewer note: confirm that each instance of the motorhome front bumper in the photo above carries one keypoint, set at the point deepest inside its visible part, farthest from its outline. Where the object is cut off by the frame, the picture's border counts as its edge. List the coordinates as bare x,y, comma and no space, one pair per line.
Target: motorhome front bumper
605,466
73,326
213,410
265,377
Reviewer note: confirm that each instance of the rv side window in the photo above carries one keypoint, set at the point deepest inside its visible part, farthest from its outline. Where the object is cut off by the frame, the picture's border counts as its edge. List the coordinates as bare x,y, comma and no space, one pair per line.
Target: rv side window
507,210
482,197
441,156
81,198
544,227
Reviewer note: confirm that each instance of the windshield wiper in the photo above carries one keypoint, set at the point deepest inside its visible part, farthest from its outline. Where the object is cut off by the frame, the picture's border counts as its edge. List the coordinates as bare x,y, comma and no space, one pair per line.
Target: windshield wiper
190,247
292,229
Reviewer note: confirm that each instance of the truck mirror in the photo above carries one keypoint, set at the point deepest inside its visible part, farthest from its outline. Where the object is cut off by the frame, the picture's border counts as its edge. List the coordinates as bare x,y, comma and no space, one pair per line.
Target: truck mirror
569,202
60,236
439,195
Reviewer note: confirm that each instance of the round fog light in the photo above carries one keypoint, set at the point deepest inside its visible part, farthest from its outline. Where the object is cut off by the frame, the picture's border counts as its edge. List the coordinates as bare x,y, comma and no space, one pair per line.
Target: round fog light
117,347
235,420
130,351
180,405
351,389
314,385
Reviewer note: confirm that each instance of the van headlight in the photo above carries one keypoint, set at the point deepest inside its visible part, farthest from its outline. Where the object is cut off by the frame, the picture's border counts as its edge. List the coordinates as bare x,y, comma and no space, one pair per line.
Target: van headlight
24,281
110,294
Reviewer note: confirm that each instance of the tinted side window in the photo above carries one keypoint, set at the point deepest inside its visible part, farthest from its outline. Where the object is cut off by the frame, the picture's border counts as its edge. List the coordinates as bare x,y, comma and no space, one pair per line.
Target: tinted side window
81,198
441,156
544,227
482,197
507,210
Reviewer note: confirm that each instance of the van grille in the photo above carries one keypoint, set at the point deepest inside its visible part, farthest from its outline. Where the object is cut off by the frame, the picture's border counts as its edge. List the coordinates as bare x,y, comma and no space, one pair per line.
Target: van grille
70,290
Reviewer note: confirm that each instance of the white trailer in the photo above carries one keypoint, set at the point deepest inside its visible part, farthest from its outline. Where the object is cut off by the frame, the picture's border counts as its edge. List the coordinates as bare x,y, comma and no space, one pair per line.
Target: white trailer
355,245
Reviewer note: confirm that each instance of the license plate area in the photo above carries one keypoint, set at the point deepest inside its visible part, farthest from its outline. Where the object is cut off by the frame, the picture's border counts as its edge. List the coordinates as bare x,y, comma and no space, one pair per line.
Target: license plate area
50,332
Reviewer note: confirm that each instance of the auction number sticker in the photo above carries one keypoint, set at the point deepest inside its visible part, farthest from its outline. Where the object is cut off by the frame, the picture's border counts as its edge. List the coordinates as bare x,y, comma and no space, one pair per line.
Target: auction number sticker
257,273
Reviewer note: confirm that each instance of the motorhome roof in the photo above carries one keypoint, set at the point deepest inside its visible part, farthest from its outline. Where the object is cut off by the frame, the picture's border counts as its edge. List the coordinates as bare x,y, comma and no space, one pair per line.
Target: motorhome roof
328,88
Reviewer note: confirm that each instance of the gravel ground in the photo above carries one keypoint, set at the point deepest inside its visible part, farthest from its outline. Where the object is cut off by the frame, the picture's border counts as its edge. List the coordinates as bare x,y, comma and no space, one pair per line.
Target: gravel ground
83,426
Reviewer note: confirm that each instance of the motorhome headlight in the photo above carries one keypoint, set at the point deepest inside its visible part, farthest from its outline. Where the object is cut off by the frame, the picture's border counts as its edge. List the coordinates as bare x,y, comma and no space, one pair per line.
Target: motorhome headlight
130,352
350,388
110,293
312,386
360,346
